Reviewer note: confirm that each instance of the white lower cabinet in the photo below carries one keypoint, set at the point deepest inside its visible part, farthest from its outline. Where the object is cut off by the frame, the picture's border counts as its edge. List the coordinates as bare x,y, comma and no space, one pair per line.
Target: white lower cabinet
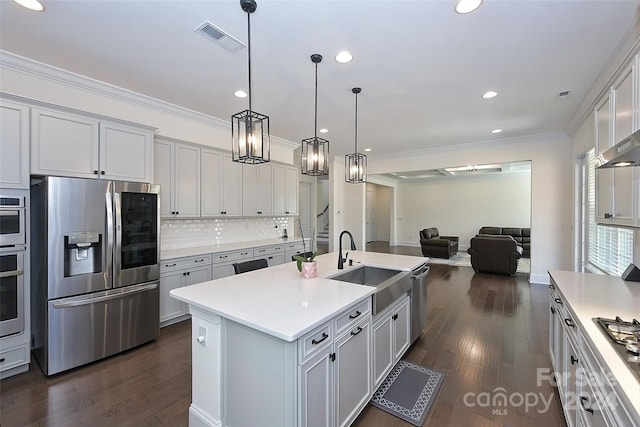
391,335
352,372
586,387
223,262
334,379
315,378
177,273
274,254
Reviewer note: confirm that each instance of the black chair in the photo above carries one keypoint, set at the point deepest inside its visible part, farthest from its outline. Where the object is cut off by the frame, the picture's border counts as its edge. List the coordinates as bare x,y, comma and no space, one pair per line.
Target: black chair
304,254
255,264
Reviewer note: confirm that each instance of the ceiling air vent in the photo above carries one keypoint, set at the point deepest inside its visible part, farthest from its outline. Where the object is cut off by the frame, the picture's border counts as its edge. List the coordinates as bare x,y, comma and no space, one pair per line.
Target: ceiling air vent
216,35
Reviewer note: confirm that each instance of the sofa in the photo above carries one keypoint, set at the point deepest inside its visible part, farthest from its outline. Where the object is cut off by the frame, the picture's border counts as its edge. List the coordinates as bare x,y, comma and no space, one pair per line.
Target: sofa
437,246
522,236
496,254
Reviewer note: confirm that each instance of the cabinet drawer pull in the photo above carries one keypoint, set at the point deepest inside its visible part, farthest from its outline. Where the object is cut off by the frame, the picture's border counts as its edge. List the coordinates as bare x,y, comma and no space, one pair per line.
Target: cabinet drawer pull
574,360
357,331
558,300
170,265
244,253
570,323
199,260
324,337
355,315
223,256
584,399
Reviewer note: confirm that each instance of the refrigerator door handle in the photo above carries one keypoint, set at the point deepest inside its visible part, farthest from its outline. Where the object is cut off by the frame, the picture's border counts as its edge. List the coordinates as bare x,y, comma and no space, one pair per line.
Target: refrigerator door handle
93,300
109,246
117,262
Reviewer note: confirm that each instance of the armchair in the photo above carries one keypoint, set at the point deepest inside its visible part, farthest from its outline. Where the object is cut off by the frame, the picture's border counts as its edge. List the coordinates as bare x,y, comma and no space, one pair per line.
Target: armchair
494,254
434,245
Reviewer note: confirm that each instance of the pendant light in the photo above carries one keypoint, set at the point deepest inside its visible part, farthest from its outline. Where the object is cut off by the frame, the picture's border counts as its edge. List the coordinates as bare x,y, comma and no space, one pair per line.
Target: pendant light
315,151
249,129
355,165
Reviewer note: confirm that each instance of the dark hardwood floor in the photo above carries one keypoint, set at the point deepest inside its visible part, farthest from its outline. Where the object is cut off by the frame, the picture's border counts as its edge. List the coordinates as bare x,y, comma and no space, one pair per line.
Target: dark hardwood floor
487,333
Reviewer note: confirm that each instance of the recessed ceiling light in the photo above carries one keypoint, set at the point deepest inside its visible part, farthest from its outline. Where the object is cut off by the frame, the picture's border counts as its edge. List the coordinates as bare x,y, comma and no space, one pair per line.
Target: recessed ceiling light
490,94
467,6
31,5
367,149
344,57
323,130
496,131
240,94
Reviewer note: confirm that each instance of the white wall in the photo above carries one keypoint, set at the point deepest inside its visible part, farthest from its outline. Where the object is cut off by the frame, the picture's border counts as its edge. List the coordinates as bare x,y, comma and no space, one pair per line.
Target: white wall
384,201
551,180
459,206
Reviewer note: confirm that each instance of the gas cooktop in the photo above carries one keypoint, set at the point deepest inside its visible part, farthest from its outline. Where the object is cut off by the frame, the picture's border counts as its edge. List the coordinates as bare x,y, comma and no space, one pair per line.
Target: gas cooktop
620,334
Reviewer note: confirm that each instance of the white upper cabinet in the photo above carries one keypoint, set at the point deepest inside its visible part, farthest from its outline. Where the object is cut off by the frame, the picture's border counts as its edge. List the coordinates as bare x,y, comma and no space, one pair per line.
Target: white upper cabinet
221,184
615,119
212,185
14,145
64,144
232,193
257,189
125,152
69,144
177,171
285,190
623,112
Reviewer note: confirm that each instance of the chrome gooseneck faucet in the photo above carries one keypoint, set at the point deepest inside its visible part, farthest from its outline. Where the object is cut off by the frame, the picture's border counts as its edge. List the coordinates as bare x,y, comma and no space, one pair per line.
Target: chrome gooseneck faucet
353,248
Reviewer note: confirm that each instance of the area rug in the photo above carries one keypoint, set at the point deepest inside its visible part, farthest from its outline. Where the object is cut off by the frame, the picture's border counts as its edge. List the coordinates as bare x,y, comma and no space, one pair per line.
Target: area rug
408,392
463,259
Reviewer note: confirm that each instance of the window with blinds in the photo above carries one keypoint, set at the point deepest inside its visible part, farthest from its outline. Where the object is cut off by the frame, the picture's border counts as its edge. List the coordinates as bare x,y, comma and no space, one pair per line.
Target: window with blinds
610,248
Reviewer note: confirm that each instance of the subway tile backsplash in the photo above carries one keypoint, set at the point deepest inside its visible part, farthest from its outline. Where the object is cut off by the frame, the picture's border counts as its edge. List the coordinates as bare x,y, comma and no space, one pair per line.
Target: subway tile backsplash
185,233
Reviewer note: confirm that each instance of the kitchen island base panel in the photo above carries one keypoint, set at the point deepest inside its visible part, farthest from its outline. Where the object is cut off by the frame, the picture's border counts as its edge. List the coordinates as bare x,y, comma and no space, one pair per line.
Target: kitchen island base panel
259,378
206,332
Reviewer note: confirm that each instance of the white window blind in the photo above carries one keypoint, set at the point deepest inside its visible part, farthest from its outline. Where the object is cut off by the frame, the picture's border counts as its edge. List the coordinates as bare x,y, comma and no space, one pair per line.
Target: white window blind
610,248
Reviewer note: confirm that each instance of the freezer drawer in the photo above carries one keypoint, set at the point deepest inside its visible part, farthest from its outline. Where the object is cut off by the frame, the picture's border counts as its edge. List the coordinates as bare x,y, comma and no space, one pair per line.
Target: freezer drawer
89,327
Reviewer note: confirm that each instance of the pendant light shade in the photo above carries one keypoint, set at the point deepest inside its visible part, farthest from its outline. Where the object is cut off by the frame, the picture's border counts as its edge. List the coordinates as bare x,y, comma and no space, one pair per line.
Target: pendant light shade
355,165
251,142
315,151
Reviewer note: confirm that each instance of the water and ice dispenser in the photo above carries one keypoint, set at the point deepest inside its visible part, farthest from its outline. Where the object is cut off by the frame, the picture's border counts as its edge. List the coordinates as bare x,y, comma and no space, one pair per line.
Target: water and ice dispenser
82,253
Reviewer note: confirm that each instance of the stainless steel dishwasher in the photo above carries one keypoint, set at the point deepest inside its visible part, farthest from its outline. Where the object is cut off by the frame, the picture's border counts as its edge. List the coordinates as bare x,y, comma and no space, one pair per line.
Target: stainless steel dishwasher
418,301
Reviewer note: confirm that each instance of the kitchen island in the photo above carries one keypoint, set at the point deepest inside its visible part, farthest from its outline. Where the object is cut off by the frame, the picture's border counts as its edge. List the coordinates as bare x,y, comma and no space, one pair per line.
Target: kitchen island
593,373
272,348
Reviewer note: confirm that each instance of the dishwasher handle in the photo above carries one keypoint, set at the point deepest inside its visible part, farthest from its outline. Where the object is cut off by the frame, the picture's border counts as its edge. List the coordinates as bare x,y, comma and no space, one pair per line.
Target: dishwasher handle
420,272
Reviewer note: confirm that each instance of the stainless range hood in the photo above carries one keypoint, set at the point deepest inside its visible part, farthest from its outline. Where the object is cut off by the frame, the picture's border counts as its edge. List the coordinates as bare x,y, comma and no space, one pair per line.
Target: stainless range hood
624,153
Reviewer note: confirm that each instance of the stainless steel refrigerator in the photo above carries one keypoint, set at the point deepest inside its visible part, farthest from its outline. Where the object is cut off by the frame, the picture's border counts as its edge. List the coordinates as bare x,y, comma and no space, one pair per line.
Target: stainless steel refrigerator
95,251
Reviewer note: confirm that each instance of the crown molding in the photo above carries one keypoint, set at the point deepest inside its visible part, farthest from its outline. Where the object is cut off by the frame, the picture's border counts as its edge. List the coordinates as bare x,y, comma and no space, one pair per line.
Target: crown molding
30,67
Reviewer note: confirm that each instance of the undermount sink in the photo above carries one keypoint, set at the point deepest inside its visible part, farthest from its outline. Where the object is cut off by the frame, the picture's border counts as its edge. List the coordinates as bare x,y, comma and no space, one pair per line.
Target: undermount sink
390,284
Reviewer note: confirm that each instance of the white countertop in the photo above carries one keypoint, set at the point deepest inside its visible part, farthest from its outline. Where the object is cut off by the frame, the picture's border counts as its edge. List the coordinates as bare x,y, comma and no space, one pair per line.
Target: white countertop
279,302
166,254
593,295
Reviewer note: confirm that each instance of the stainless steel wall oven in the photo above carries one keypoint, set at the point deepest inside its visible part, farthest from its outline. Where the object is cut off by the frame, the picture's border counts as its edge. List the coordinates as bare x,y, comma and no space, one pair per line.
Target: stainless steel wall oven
11,290
12,219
